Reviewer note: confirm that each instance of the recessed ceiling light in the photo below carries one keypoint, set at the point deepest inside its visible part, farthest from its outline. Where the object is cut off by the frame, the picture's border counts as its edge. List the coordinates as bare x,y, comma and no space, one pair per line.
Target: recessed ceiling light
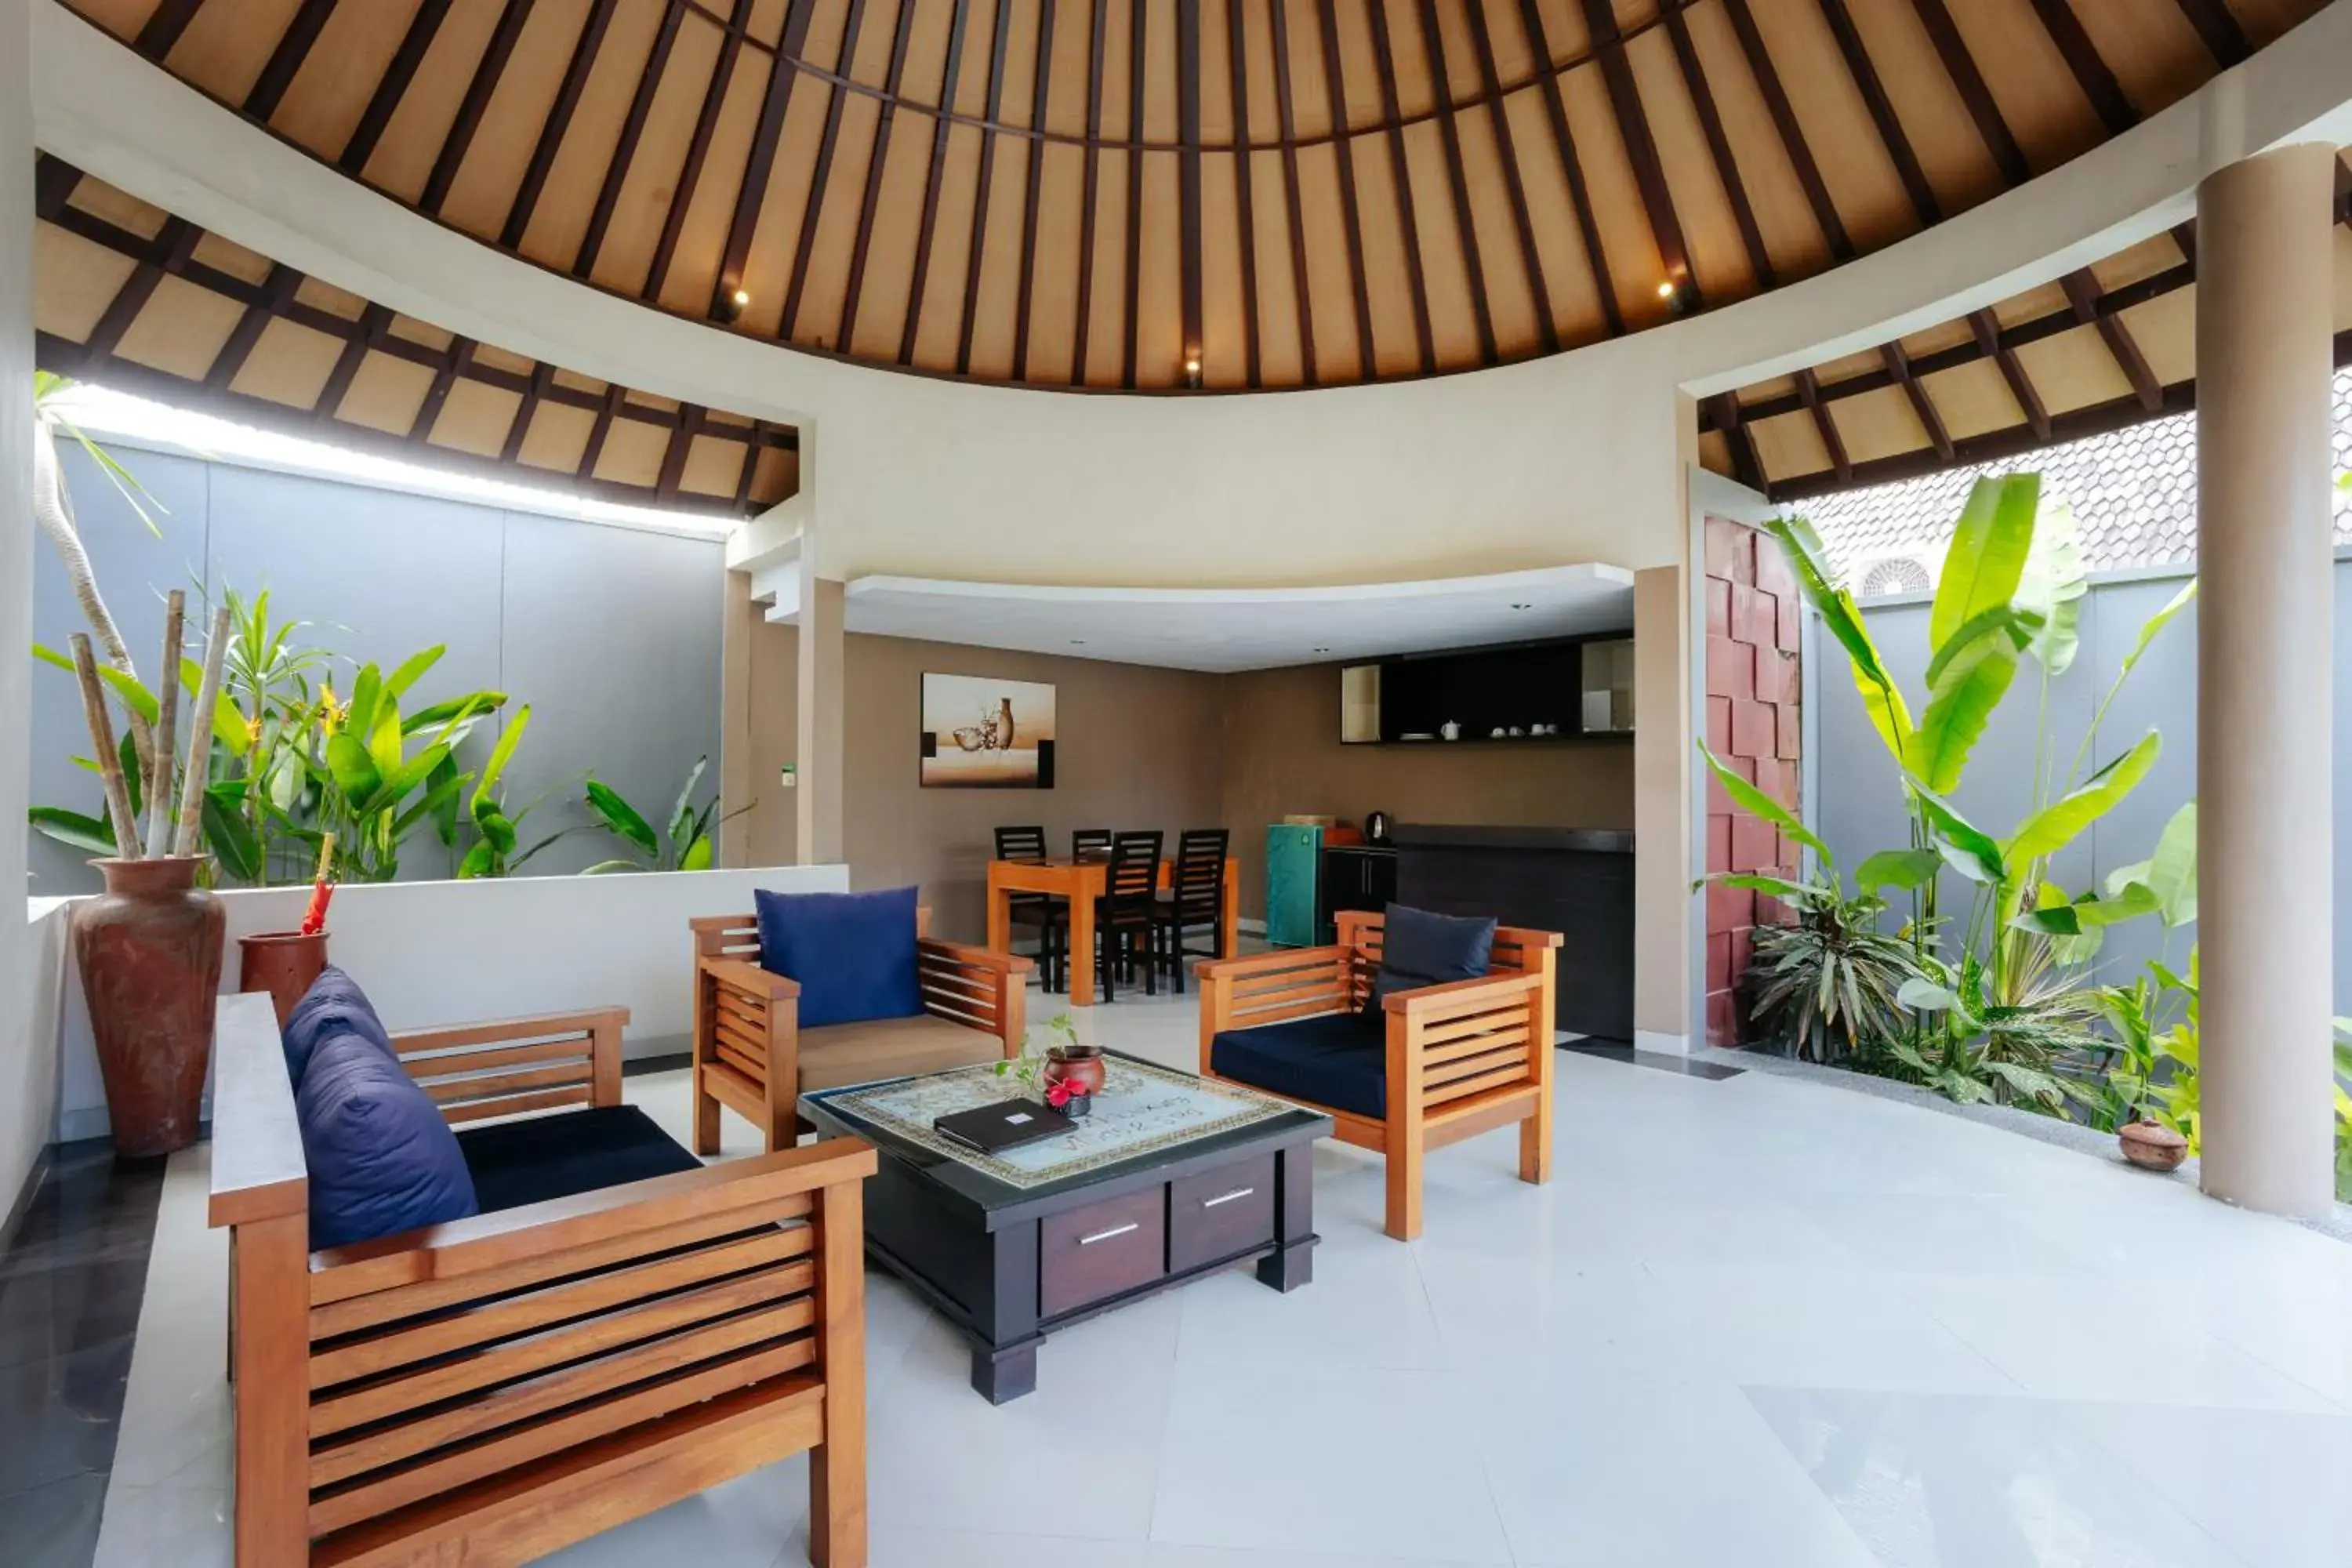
1322,650
1523,606
1666,289
742,298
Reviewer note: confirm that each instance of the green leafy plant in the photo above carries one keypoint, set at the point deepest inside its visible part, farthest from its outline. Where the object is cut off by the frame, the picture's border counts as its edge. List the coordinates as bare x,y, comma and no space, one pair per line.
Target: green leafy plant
2342,1105
687,846
493,850
1026,1067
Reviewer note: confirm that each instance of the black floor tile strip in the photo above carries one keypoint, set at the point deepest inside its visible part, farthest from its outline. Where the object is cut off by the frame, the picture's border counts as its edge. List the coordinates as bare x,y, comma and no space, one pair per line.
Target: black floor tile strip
1663,1061
71,1280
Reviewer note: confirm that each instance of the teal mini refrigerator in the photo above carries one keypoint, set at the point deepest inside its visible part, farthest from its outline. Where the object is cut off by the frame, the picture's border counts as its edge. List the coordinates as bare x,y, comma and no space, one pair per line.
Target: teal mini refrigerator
1294,871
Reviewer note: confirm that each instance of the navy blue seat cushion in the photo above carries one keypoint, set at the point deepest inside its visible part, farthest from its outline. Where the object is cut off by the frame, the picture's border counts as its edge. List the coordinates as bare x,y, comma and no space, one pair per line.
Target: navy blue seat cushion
1419,948
1338,1060
380,1158
334,1005
854,953
543,1157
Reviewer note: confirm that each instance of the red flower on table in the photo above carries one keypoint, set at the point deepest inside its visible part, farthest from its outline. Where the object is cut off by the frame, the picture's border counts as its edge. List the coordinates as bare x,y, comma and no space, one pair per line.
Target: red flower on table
1063,1091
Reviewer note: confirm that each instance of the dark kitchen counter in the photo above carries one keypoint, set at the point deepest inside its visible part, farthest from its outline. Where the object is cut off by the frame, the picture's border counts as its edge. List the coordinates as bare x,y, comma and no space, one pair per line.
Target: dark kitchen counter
1577,881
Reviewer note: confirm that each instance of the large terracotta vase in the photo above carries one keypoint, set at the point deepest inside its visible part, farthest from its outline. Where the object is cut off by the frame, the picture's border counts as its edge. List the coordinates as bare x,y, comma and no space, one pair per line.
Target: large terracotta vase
150,952
282,962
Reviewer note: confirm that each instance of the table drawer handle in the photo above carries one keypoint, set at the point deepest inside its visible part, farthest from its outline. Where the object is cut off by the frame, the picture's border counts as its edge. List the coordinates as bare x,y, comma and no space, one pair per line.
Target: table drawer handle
1228,1197
1106,1234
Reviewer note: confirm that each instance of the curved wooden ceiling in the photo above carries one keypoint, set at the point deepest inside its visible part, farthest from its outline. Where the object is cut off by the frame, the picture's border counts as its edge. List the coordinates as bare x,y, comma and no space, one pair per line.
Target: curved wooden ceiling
2101,348
1104,193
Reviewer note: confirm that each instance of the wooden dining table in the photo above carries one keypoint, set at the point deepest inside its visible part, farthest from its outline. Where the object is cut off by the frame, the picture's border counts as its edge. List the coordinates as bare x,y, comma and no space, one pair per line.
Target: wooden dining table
1081,882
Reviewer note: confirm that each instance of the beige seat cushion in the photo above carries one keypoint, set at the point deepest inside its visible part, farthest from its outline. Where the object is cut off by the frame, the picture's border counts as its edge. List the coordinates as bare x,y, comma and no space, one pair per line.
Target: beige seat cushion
889,1047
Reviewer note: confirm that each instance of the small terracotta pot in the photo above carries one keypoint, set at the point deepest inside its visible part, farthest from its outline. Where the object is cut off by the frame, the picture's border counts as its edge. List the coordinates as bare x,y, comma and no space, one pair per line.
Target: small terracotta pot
2151,1145
282,962
150,952
1080,1065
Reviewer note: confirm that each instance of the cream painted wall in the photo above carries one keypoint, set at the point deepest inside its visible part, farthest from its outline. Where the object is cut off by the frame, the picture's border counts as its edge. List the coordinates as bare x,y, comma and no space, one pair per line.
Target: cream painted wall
27,1076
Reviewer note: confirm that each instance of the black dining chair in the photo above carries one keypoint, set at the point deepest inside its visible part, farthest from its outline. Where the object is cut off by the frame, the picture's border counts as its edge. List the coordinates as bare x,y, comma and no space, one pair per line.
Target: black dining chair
1039,912
1196,898
1090,842
1123,915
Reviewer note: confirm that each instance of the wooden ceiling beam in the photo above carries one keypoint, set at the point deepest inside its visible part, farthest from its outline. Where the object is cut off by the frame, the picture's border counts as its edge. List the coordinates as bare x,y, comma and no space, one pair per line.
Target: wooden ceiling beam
1244,193
1898,365
286,59
1791,134
927,230
167,253
2090,72
765,141
1188,181
625,150
601,430
1746,467
369,328
1641,151
552,130
1335,85
1090,194
276,295
697,150
1482,44
681,443
428,412
1465,226
54,181
1285,111
1718,147
1041,88
979,252
2082,293
746,474
392,86
164,26
2225,39
1987,328
542,376
845,328
486,73
1891,136
1131,326
1976,96
1809,387
1555,102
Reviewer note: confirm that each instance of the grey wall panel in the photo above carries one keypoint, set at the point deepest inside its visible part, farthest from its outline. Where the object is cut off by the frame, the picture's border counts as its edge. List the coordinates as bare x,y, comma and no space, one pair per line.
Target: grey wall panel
134,569
611,637
611,634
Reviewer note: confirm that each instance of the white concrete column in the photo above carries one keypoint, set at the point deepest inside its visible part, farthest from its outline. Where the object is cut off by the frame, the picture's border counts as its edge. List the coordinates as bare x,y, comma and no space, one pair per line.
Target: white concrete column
27,1065
818,756
1663,939
2266,293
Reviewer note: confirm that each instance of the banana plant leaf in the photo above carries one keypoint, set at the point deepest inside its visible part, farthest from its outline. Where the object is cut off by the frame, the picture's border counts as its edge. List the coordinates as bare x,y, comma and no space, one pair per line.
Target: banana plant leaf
2057,825
1882,700
2088,913
698,856
1756,803
1904,869
2170,874
622,818
90,835
1972,680
1966,847
683,827
1986,560
2051,592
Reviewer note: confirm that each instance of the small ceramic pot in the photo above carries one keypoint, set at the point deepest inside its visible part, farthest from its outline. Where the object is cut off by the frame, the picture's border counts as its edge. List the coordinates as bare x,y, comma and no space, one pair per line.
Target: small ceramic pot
1079,1064
282,962
2151,1145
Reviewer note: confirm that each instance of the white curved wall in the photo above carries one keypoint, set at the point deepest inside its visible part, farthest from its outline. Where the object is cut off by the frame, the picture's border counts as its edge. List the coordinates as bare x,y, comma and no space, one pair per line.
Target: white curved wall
1570,459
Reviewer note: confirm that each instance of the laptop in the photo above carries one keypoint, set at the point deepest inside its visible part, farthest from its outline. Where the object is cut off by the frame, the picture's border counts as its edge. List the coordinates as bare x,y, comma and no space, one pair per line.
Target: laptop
1005,1125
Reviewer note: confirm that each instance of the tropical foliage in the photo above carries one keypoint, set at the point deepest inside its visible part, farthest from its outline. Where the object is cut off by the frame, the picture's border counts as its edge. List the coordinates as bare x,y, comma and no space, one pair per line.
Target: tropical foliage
685,844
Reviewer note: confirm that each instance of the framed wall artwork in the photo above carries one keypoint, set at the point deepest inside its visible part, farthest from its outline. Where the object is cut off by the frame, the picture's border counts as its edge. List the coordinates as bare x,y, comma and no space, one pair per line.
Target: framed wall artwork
983,733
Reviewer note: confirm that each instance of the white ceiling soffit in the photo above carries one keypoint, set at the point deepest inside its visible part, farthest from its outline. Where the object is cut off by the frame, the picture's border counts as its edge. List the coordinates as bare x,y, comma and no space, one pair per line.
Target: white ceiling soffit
1224,629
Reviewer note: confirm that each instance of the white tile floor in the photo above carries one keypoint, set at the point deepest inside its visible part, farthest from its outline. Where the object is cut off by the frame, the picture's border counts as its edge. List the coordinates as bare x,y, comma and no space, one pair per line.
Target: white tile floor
1759,1321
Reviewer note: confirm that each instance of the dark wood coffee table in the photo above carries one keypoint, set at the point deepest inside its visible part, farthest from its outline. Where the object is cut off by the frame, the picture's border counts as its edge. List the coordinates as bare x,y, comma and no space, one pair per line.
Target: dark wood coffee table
1171,1178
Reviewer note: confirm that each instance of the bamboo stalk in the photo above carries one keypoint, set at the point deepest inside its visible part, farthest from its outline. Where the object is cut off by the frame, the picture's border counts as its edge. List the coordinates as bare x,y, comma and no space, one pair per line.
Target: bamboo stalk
101,739
200,740
160,773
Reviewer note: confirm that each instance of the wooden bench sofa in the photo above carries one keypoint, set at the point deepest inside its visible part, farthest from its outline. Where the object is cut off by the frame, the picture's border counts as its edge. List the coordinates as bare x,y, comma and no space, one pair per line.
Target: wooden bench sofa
751,1055
488,1390
1460,1059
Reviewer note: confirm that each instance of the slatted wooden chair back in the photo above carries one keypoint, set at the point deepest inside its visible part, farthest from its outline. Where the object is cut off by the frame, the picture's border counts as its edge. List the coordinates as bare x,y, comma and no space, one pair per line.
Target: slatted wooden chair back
1090,842
1132,881
1363,933
1197,883
1021,844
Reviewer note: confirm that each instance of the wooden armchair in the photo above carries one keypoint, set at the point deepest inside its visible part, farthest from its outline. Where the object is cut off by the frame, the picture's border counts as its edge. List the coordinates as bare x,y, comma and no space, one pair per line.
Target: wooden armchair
490,1389
751,1055
1458,1059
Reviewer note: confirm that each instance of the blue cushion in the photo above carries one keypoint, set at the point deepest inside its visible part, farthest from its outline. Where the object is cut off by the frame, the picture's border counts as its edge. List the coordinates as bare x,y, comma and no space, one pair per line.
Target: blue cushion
1418,949
334,1005
381,1160
854,953
535,1158
1336,1059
